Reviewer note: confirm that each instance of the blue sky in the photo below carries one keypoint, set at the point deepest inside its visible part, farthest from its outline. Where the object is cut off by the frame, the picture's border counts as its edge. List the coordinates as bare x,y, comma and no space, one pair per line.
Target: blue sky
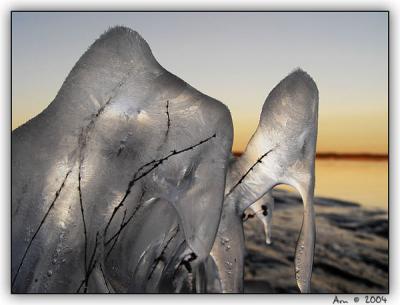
236,58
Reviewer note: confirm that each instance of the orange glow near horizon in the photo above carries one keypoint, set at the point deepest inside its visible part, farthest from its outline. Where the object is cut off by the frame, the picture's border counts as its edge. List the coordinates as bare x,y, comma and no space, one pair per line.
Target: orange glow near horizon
363,130
344,133
236,58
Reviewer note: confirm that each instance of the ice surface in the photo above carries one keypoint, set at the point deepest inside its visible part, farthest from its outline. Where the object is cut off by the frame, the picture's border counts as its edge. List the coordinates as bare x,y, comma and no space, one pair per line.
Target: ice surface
281,151
125,182
127,153
263,209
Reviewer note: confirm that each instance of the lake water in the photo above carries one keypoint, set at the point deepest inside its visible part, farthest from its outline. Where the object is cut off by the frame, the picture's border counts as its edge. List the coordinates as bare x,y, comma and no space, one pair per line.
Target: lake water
360,181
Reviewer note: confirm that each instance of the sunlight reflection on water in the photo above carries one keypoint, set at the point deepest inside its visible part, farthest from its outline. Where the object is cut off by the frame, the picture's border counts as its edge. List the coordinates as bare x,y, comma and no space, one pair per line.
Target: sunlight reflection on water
360,181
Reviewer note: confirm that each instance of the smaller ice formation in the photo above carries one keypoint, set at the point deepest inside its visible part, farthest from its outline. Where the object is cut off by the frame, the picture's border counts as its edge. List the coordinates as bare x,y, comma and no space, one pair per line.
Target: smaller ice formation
281,151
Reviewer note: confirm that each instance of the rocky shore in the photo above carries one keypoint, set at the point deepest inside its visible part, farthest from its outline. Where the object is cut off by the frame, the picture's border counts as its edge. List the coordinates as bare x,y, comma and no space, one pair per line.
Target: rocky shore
351,251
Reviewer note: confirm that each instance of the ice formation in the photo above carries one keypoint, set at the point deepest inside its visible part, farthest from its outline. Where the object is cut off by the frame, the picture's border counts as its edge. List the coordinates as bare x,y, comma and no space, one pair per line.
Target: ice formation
124,183
281,151
263,209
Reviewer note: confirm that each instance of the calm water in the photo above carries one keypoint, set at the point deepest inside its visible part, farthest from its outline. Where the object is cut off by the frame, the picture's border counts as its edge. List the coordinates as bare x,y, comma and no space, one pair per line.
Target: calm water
361,181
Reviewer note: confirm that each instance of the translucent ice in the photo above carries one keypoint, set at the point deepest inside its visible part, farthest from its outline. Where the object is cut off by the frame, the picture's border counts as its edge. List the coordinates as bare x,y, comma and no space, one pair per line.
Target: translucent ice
281,151
263,209
128,165
125,182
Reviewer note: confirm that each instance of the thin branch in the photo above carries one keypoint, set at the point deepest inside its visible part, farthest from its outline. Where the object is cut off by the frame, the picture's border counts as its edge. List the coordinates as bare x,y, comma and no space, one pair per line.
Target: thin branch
40,226
129,219
259,160
82,141
91,264
83,214
116,238
161,256
169,120
88,275
104,278
80,286
137,176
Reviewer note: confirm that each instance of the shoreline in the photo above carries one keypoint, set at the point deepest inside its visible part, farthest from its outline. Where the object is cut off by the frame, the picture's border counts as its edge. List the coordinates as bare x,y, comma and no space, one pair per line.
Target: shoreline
351,250
342,156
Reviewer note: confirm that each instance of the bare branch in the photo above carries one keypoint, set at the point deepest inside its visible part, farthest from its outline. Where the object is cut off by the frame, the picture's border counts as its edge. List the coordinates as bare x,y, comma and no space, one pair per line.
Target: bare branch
154,164
40,226
169,120
161,256
259,160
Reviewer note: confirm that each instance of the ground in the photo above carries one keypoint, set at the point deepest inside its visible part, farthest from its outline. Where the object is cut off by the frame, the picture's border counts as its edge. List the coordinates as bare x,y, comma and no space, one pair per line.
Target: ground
351,251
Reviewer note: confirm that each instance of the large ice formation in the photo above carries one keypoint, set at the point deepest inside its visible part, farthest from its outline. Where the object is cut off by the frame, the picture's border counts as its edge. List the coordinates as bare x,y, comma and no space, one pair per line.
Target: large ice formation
124,183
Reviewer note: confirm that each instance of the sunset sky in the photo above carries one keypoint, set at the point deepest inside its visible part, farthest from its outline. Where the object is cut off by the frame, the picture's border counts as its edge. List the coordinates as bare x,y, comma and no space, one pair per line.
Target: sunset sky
236,58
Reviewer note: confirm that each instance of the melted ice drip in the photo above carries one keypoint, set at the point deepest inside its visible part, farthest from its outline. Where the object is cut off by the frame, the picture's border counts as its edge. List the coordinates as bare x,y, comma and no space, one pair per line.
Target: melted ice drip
263,209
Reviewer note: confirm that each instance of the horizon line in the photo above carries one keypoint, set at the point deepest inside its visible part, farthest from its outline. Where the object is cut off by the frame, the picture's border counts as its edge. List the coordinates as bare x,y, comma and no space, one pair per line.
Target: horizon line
334,155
